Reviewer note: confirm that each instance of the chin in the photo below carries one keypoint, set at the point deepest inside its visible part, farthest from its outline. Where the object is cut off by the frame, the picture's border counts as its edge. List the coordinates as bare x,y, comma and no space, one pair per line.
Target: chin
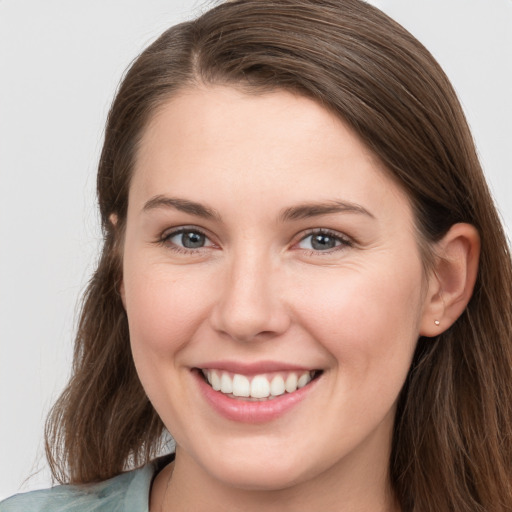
258,467
265,477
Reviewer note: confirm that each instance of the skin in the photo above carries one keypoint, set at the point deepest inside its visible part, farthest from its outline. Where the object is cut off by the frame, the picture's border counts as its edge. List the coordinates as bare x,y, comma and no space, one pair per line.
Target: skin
257,290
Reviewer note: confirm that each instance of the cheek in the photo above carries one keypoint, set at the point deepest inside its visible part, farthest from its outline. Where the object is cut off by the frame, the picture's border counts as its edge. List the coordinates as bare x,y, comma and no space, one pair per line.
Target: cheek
367,319
163,310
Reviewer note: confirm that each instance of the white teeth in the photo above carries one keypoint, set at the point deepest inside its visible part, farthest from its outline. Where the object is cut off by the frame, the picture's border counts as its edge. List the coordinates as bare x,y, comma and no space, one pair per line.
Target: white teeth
291,383
259,386
277,386
215,380
226,384
303,380
241,385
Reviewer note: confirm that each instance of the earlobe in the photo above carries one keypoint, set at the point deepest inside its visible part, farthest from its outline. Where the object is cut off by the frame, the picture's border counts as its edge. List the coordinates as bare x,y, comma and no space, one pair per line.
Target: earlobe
452,280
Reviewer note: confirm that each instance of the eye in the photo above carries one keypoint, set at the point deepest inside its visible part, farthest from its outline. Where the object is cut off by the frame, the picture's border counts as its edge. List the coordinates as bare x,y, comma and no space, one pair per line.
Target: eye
322,240
186,239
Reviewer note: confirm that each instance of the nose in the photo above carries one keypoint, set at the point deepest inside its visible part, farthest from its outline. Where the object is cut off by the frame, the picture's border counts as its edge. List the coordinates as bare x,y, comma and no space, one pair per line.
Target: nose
250,306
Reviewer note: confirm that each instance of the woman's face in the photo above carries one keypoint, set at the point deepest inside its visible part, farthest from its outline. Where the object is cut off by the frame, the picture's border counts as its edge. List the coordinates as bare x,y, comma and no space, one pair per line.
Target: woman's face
268,252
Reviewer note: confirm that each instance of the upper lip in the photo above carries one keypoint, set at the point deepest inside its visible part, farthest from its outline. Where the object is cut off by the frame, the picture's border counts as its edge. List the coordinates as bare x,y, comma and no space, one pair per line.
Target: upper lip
253,368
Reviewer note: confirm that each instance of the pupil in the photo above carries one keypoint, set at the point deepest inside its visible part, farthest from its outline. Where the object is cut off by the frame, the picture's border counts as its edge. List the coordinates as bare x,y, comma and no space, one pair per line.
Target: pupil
323,242
192,240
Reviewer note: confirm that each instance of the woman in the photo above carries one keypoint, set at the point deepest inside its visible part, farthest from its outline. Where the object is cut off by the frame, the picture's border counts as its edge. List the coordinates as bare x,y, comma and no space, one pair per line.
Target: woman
304,280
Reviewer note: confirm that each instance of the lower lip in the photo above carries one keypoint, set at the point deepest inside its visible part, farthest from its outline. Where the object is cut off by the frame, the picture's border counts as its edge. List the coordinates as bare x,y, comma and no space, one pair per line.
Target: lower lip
243,411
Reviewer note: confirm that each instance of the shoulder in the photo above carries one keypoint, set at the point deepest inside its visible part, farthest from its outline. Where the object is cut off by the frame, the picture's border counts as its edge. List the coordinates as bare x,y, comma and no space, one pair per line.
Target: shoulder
107,496
126,492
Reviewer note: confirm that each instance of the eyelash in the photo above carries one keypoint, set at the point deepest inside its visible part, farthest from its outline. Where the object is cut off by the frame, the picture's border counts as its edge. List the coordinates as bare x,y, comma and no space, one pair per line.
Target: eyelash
343,241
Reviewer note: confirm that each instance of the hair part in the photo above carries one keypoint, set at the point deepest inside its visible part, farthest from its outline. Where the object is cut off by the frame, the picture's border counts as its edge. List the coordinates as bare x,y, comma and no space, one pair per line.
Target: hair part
452,449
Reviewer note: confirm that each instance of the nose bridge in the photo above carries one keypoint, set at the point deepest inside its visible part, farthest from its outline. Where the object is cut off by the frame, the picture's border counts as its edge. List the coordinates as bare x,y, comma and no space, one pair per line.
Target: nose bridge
249,305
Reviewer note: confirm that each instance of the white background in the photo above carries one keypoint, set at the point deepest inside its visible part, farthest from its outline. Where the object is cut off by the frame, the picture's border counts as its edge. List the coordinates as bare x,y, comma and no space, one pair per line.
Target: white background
60,62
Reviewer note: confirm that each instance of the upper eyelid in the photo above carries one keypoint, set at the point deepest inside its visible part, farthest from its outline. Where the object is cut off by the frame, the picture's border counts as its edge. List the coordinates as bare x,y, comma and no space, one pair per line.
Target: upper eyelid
324,231
169,232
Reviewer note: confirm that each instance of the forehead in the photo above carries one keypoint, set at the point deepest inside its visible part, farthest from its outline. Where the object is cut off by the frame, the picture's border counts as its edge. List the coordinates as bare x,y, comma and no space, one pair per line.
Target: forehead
220,140
214,117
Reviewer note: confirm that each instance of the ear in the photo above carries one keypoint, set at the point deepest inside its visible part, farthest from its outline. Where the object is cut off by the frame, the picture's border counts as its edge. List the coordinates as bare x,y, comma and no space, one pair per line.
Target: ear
451,282
113,220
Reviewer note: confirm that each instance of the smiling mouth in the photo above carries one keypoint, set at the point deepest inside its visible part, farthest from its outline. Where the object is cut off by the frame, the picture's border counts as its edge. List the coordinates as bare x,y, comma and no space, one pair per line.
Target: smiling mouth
260,387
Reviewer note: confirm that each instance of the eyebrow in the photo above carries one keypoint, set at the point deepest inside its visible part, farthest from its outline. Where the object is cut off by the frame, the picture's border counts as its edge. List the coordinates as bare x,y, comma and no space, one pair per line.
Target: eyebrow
298,212
307,210
183,205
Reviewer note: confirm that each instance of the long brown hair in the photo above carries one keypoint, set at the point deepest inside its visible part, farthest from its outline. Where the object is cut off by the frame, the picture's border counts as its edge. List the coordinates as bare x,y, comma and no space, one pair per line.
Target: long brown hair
452,445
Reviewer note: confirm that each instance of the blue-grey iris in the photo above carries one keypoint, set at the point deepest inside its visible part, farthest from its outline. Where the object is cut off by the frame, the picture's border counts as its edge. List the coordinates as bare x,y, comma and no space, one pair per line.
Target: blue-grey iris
321,242
193,240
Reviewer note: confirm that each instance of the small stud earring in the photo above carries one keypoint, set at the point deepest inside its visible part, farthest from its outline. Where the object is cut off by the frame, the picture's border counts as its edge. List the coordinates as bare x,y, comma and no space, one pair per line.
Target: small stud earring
437,322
